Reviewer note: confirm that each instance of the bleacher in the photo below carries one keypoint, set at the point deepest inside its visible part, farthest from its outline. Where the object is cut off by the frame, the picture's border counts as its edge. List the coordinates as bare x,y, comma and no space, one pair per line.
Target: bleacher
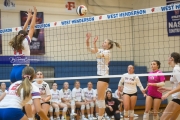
86,68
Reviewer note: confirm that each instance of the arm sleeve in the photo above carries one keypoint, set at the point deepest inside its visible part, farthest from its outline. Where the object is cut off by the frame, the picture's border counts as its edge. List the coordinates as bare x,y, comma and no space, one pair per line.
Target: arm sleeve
35,93
121,81
139,84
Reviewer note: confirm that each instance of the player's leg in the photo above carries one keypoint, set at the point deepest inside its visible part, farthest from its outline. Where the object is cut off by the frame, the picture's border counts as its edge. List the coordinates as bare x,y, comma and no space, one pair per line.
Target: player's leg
133,100
126,99
148,106
156,105
97,109
45,106
92,109
171,108
65,107
82,106
101,89
56,107
51,112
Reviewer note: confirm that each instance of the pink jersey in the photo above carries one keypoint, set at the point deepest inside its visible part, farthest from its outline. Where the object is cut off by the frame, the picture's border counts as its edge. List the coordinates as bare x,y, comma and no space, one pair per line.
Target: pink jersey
152,90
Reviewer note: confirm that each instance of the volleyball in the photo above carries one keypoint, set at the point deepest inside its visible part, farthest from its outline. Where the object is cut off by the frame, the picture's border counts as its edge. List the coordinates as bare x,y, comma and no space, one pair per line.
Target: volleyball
81,10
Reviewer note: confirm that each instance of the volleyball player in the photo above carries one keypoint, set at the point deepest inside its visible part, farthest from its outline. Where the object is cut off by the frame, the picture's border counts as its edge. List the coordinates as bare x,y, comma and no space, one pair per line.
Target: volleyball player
19,93
90,97
56,103
78,97
44,92
130,84
66,98
103,59
172,110
20,44
153,97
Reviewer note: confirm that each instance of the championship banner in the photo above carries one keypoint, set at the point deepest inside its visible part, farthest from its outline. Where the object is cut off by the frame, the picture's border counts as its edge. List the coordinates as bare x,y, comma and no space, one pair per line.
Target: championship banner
37,45
70,6
173,19
0,36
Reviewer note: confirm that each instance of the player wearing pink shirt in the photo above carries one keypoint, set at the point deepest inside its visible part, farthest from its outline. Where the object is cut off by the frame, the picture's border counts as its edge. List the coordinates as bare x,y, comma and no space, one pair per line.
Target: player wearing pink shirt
153,95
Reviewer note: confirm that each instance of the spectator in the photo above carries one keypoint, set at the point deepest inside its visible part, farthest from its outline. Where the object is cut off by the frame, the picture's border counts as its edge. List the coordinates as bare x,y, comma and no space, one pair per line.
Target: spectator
112,106
3,90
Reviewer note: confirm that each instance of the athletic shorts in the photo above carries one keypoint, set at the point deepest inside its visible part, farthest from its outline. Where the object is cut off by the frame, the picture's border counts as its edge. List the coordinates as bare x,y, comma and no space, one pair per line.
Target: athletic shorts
11,114
16,73
176,101
154,97
46,103
134,94
104,79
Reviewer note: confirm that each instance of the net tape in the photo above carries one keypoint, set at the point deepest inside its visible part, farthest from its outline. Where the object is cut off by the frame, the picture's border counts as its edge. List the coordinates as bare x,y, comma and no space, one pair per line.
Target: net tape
108,76
99,18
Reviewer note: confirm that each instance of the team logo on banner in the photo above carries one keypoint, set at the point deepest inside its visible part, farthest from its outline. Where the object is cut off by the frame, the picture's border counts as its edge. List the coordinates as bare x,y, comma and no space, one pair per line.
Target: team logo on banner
70,6
9,4
173,20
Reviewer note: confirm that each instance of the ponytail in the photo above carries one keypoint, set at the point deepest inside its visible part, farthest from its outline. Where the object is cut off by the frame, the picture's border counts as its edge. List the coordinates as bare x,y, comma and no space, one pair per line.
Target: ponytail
176,57
16,42
111,43
27,87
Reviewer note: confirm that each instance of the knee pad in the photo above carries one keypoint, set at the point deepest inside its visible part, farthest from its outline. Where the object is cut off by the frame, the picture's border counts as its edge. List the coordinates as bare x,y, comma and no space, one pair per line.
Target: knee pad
131,113
92,104
117,116
126,113
51,109
82,107
96,103
72,102
65,109
87,106
101,104
57,109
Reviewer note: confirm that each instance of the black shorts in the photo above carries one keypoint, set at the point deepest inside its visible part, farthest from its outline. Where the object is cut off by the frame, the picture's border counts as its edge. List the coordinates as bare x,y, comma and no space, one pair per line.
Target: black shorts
134,94
104,79
46,103
154,97
176,101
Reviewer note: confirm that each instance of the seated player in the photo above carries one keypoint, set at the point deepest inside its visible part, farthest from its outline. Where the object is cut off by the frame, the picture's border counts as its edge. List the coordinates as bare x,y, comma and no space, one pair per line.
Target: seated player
119,96
57,104
44,92
66,98
18,95
112,106
90,98
78,97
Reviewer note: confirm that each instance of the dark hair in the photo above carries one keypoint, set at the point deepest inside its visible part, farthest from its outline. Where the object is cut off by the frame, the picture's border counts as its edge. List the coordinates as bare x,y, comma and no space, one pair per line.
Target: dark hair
16,42
112,44
107,93
158,63
28,75
54,83
176,57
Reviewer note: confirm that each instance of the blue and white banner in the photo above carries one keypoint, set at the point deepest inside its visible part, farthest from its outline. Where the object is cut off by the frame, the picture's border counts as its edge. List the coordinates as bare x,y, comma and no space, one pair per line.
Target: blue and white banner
173,19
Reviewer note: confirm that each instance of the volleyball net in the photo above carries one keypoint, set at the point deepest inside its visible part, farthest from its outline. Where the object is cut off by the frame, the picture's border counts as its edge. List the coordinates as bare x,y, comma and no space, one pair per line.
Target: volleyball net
141,33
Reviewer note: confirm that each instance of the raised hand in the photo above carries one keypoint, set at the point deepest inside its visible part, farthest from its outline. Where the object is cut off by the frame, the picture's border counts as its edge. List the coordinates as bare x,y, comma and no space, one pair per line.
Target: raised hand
88,36
29,13
95,39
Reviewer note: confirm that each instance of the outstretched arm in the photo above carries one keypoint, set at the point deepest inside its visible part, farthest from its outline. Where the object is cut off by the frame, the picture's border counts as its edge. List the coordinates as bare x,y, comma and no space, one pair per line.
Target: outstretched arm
32,25
92,50
28,19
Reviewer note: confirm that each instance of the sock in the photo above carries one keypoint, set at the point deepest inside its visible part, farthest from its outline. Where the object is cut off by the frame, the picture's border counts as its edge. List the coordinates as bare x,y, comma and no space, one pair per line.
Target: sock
51,117
30,118
91,115
82,116
97,114
62,117
100,117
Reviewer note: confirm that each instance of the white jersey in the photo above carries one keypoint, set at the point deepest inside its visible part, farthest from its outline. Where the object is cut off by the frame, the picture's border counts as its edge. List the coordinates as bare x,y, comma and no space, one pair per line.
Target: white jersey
89,94
175,80
12,100
55,96
77,94
43,88
130,83
24,52
103,59
66,94
2,92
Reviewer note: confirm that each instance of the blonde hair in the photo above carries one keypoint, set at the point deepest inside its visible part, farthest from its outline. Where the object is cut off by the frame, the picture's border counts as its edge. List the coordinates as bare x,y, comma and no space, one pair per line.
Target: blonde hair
111,43
28,75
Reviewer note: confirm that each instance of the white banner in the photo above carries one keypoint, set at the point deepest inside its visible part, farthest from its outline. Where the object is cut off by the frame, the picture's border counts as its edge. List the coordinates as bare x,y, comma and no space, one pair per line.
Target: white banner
9,4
